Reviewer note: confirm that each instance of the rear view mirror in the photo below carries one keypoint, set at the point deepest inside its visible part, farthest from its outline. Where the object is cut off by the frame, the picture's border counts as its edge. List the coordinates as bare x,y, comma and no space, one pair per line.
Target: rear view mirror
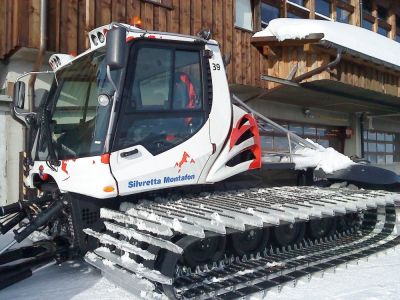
19,95
116,45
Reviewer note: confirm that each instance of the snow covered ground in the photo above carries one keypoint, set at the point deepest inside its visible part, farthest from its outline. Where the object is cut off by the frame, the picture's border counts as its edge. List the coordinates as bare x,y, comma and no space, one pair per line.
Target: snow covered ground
377,278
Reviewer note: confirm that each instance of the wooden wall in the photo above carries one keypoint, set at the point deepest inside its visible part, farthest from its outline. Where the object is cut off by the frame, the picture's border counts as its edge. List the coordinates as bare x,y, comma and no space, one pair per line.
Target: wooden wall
70,20
350,70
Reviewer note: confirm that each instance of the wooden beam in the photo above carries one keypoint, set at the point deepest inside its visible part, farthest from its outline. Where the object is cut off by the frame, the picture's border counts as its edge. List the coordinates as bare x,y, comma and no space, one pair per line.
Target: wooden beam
89,19
118,10
2,32
273,53
173,17
257,15
207,13
375,15
333,10
284,8
8,31
360,61
34,24
184,12
217,28
237,57
355,16
273,41
310,4
195,15
132,9
308,48
103,12
228,33
15,23
392,21
82,34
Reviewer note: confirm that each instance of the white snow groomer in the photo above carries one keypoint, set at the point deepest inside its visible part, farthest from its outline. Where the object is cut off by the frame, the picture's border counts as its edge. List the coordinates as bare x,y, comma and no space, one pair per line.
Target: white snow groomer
137,151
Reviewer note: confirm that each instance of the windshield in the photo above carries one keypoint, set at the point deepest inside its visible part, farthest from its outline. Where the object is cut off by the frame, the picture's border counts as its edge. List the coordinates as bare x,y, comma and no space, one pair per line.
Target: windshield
78,122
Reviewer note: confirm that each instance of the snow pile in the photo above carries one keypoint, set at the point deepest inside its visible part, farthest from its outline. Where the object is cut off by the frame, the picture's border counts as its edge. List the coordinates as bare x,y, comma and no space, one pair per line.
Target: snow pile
377,278
348,36
326,159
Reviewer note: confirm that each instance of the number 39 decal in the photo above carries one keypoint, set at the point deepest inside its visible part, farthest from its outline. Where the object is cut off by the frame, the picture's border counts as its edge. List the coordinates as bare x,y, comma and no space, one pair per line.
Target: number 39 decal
216,67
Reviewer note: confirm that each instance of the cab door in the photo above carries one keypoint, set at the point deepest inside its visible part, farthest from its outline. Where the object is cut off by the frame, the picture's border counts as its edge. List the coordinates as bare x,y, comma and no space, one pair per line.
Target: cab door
162,134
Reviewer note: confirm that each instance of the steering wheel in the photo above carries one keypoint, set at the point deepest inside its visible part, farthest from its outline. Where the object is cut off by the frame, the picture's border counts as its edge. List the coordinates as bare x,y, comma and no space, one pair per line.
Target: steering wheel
156,142
161,142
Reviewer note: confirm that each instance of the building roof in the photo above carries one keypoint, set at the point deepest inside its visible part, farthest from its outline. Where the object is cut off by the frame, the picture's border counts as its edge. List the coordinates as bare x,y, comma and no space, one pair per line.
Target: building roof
350,39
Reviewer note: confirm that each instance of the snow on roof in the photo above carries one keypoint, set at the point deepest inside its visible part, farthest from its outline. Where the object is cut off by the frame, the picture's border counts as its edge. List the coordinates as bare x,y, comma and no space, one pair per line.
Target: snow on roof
369,44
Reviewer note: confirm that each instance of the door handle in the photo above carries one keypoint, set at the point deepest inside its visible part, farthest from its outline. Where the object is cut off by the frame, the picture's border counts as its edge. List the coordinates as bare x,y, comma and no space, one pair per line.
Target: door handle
129,153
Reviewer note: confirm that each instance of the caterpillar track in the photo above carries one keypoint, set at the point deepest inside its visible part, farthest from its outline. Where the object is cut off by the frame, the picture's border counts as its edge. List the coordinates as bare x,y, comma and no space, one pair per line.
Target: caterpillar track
239,244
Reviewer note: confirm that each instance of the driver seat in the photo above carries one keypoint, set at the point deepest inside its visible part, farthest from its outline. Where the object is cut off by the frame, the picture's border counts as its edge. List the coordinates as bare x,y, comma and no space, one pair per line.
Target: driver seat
185,96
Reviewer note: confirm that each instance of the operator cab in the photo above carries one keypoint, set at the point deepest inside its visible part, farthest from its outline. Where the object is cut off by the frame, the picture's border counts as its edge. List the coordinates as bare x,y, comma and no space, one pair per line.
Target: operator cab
162,103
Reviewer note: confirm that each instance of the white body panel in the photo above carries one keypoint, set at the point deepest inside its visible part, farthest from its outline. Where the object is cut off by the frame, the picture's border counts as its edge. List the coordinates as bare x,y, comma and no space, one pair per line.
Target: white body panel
221,112
220,170
144,172
87,176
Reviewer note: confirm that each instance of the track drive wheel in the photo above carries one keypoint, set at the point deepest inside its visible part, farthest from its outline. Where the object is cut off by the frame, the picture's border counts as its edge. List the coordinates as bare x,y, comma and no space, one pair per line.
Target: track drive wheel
205,251
250,241
289,234
319,228
348,222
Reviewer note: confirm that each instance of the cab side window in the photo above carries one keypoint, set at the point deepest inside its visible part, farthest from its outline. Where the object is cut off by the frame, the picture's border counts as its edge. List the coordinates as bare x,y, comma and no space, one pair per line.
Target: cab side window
152,79
163,100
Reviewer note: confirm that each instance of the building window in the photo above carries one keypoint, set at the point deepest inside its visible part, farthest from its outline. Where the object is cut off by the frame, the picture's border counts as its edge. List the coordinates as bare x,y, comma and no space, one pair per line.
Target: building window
293,15
342,15
382,13
367,6
381,147
383,26
296,10
269,11
344,10
397,28
276,141
367,24
383,31
298,2
323,7
244,14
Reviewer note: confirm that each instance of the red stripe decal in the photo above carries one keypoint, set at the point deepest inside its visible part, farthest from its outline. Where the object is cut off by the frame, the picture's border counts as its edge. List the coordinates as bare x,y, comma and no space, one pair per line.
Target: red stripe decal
245,124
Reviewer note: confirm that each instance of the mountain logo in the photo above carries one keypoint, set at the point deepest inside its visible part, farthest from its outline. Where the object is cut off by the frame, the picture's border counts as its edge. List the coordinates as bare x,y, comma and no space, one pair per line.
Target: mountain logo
185,159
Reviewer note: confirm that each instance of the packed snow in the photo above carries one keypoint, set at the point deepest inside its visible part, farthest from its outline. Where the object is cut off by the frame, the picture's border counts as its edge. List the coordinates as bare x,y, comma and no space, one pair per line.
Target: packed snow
326,159
348,36
377,278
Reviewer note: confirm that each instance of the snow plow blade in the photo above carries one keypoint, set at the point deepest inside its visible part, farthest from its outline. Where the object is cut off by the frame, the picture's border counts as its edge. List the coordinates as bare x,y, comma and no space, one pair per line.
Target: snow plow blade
367,176
180,269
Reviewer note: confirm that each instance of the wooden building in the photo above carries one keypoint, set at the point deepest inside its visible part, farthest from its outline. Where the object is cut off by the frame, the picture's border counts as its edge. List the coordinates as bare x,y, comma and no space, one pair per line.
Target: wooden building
69,21
353,107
